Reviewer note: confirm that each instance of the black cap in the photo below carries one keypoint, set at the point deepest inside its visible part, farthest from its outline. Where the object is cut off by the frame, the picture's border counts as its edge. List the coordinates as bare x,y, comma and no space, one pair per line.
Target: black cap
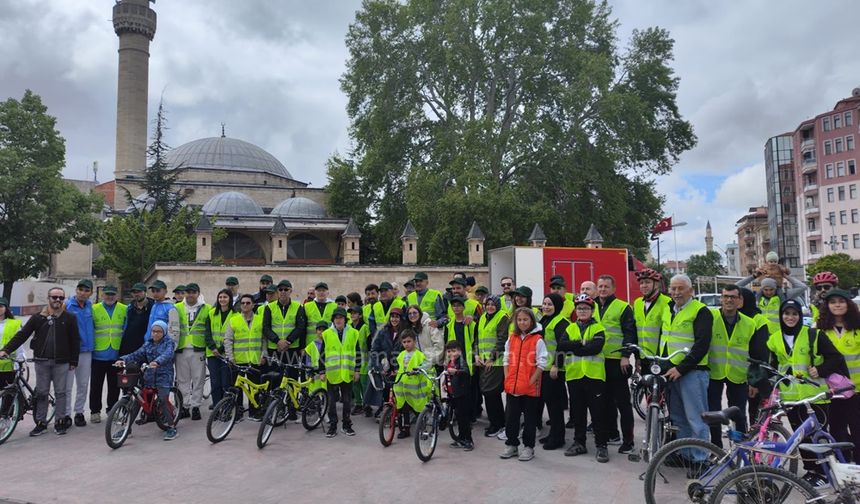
790,303
409,283
285,283
138,287
322,324
4,302
557,281
266,278
420,276
338,312
340,299
458,299
321,285
109,289
86,282
231,280
192,287
354,309
458,280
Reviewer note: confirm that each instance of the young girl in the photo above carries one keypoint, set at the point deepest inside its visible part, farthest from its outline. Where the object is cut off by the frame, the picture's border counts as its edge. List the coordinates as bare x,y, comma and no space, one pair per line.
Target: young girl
525,360
492,335
9,327
428,340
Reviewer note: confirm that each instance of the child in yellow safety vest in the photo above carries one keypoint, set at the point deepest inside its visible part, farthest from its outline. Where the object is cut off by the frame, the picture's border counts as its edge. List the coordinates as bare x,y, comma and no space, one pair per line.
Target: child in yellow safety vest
341,358
411,391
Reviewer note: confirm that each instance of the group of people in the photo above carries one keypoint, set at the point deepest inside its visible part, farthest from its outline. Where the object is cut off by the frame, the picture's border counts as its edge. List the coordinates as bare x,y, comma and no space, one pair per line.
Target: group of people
508,355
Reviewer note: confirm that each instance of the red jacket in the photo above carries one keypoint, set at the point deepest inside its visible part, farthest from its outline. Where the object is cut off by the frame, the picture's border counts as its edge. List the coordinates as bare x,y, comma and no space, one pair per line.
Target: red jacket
522,362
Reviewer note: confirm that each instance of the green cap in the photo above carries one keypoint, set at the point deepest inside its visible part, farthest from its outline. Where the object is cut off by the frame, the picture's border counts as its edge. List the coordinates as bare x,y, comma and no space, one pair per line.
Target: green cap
285,283
138,287
557,281
385,286
231,280
409,283
322,324
340,299
355,309
458,300
109,289
270,288
179,288
420,276
481,289
321,285
523,291
338,312
4,302
158,284
458,280
838,292
86,282
266,278
192,287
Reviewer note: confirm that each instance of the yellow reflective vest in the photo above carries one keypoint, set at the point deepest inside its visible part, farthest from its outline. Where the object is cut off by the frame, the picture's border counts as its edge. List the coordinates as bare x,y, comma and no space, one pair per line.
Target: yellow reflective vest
339,356
678,332
610,319
848,344
107,331
412,390
428,302
727,357
801,357
10,329
649,325
283,325
591,366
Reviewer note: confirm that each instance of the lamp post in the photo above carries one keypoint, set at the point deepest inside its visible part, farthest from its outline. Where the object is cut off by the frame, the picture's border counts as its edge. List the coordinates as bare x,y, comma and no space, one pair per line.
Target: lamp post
675,239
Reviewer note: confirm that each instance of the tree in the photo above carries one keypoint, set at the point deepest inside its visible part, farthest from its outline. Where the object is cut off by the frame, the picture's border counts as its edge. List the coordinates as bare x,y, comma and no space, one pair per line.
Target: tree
707,264
40,213
847,269
508,112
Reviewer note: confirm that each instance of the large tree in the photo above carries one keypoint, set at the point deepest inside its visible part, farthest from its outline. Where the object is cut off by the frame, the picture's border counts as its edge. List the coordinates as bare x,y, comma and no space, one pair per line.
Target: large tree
847,269
707,264
40,213
510,112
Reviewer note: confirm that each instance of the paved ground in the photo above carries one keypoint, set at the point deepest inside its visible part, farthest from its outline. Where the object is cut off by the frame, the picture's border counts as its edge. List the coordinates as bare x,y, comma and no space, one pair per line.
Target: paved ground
297,466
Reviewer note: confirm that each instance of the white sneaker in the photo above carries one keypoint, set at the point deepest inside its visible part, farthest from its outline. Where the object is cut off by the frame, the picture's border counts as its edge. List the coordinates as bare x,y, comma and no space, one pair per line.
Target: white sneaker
96,418
527,454
510,452
502,435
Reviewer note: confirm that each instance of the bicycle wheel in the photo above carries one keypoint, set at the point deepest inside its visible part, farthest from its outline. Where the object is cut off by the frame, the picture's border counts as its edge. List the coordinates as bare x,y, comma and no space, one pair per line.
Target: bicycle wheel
52,410
776,432
118,424
453,426
207,385
10,407
426,434
222,419
655,433
314,410
174,407
684,470
762,484
280,396
267,425
640,399
387,425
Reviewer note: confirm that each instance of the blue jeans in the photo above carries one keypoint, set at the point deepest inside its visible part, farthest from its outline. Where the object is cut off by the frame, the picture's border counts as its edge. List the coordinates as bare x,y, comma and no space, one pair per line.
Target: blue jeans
219,378
688,399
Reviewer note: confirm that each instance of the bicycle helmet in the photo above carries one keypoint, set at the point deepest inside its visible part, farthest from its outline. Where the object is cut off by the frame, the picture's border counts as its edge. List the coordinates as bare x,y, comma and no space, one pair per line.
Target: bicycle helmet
823,277
583,299
649,274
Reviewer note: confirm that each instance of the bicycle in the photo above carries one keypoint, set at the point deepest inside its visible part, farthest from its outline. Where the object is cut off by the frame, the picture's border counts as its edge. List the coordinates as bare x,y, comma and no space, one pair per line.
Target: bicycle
17,399
225,414
639,393
291,392
703,464
658,427
135,398
437,415
390,420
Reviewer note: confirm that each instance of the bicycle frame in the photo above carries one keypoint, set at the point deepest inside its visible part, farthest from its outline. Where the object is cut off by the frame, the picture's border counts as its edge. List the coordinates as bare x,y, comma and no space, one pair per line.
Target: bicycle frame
250,389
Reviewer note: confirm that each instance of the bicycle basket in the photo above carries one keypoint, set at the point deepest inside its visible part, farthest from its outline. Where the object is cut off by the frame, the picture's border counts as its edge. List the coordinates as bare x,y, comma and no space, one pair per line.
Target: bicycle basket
127,380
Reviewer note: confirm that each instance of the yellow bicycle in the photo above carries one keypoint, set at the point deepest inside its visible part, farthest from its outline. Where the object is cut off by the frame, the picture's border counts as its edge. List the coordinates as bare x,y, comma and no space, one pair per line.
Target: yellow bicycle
307,396
226,412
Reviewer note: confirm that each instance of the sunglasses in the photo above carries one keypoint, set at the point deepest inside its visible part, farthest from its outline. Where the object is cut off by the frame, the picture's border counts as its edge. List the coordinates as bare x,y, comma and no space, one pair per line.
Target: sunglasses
58,298
507,285
823,287
284,289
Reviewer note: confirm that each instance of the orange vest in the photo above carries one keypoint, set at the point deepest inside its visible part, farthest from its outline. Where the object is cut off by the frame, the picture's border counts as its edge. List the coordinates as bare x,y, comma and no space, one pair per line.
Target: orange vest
522,361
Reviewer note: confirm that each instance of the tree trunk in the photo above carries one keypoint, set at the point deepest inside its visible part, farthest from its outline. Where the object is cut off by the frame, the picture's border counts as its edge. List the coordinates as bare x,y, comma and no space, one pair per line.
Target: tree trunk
7,290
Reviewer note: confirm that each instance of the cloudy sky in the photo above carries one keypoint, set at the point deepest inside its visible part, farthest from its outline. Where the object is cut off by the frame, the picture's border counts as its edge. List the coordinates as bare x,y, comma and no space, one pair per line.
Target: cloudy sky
269,70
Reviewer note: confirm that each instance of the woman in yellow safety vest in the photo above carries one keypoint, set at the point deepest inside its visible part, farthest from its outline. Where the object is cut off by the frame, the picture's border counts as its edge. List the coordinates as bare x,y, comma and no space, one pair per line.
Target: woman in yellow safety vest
9,327
220,376
492,336
839,320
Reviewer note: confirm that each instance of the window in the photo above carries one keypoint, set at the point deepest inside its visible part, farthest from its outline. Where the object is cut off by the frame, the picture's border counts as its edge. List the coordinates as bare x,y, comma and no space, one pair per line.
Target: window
856,237
849,142
852,169
813,247
849,118
840,145
828,170
852,191
810,202
831,218
810,224
828,148
843,216
825,123
841,193
830,195
840,169
855,216
844,241
837,121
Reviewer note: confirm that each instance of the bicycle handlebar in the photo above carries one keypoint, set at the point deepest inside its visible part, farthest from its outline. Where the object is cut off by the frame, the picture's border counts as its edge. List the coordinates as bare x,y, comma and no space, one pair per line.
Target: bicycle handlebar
828,394
766,366
644,354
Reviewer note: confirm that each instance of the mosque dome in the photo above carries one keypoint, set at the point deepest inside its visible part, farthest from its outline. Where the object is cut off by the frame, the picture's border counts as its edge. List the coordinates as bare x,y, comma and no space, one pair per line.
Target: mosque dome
299,207
222,153
232,203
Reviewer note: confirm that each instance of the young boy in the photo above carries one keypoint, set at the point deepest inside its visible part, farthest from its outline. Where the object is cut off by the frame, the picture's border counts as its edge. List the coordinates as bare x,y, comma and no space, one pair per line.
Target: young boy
457,385
411,391
312,356
357,322
158,352
340,360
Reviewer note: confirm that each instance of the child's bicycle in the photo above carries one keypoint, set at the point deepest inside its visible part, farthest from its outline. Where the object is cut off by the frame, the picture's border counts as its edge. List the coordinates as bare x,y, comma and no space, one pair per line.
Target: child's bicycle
390,420
437,415
18,398
136,397
311,403
225,414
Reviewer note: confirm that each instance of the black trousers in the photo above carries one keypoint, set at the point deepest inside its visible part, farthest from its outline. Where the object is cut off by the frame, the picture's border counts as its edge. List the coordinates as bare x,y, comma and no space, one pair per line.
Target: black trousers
737,396
463,411
527,407
554,395
589,396
477,397
845,422
99,371
618,402
495,408
344,390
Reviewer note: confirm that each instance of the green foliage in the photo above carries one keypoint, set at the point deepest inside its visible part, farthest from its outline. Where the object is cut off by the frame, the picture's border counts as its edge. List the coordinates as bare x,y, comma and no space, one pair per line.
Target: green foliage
40,213
508,112
847,269
707,264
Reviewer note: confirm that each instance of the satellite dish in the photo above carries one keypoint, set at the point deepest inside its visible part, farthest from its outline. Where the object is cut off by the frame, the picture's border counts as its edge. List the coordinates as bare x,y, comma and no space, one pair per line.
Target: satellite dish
855,92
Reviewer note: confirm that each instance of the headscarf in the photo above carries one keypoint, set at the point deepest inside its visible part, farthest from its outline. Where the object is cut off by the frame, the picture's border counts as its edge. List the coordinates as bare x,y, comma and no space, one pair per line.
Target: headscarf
790,303
750,307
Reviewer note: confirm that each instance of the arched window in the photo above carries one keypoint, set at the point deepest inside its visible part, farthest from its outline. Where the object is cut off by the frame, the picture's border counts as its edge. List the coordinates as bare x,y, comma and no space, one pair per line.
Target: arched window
307,247
239,248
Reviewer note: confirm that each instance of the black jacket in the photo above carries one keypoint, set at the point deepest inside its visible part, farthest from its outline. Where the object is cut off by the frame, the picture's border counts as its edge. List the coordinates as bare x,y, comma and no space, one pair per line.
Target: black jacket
592,347
53,337
386,345
458,377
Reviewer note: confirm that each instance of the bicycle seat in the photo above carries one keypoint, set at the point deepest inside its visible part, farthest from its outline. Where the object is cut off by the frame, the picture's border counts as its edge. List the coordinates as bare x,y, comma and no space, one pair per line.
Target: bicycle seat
723,416
825,449
273,377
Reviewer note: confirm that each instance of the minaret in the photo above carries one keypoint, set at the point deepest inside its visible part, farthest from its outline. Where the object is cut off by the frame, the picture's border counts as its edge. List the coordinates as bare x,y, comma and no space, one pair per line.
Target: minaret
709,238
134,23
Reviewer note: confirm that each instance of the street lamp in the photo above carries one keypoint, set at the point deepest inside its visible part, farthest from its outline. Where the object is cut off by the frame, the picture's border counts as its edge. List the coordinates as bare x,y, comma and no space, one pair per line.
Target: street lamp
675,239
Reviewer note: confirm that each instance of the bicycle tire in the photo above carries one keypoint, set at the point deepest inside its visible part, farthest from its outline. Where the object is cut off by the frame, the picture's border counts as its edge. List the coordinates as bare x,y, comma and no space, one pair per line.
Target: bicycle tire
781,434
267,425
10,410
387,425
207,392
174,402
224,411
52,410
640,399
426,434
453,426
122,417
758,483
655,433
672,455
280,396
316,405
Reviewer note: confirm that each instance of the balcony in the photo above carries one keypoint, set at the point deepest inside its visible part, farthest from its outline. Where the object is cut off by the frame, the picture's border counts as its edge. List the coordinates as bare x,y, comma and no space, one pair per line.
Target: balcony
807,145
810,210
812,233
810,188
809,166
814,256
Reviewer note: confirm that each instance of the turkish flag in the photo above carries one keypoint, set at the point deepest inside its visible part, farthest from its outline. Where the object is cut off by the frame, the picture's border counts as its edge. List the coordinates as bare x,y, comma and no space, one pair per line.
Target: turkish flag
662,226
